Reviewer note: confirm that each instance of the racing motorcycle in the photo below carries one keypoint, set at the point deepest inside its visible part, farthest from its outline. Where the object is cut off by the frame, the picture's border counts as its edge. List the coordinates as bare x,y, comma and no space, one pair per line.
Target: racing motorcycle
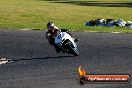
66,43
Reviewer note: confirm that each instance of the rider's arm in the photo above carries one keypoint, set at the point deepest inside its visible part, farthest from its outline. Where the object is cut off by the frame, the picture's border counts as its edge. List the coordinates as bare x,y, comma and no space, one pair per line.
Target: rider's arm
64,30
47,35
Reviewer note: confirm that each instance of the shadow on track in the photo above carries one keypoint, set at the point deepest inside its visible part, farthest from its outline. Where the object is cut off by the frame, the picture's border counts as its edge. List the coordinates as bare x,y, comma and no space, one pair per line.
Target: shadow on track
94,3
41,58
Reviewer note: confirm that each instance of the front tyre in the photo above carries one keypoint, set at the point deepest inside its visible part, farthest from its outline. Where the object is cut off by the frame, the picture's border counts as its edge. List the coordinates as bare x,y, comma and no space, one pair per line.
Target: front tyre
72,50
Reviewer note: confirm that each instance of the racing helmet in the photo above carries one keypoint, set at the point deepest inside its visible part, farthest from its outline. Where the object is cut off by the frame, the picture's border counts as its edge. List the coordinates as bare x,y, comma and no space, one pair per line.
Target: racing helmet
50,25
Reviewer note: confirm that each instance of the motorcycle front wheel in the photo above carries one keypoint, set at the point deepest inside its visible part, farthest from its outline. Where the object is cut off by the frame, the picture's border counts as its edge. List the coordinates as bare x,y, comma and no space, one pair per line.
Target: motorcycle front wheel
72,49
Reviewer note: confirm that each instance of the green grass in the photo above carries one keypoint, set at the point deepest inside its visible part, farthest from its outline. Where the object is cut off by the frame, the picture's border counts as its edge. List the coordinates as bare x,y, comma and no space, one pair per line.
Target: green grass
34,14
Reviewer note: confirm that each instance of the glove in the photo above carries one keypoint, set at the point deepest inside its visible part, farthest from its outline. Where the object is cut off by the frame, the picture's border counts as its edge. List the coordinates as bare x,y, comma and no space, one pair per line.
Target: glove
48,35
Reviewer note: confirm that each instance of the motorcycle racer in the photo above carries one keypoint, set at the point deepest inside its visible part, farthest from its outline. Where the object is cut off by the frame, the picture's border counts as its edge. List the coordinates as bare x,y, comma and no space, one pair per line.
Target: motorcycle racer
52,32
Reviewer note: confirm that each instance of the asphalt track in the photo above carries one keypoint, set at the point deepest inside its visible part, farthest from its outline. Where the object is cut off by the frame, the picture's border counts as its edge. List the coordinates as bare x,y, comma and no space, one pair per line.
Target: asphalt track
37,65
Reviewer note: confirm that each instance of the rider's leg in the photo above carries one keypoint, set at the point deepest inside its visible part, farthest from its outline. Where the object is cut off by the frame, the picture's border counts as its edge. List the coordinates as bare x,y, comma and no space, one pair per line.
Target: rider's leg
52,42
58,50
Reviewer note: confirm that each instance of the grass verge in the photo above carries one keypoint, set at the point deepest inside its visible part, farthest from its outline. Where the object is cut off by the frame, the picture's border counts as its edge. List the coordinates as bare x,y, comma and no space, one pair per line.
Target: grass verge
70,14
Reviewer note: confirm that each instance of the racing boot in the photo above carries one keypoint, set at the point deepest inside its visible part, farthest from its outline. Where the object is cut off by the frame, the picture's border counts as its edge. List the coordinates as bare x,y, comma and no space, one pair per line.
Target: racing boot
58,50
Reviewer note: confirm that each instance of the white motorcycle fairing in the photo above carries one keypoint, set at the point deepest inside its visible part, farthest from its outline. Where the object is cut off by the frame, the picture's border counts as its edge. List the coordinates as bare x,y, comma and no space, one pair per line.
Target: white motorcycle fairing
62,36
66,43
